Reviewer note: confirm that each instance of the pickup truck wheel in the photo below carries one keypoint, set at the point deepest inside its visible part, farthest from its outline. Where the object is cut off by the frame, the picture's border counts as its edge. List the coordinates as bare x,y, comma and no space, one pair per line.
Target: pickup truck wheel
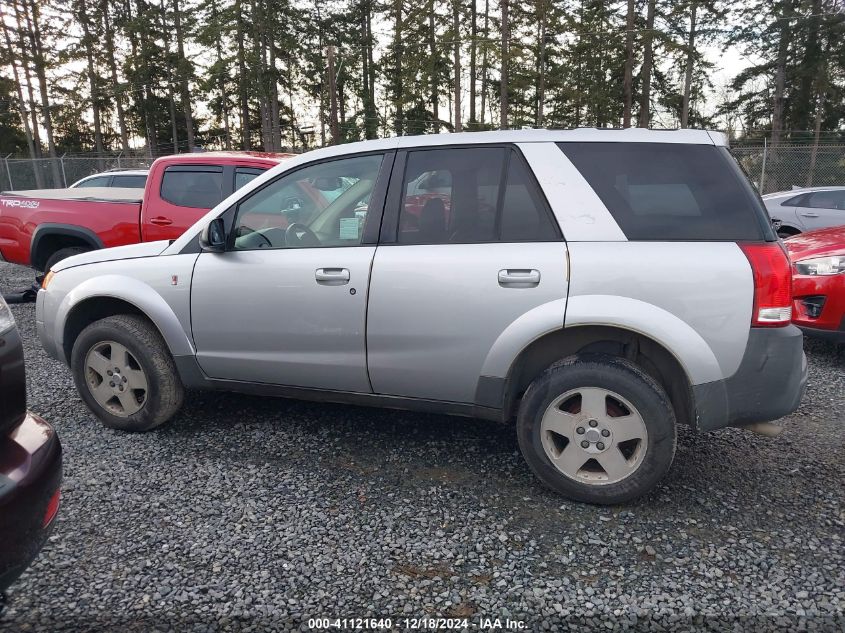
125,374
63,253
597,429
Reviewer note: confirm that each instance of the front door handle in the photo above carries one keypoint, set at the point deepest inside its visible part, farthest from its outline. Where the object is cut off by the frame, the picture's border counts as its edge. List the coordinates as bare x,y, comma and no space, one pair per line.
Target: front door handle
161,221
332,276
810,214
519,277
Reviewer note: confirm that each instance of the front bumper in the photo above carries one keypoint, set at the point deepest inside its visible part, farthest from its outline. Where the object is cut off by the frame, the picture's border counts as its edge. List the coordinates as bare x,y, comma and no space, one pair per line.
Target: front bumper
48,342
768,385
826,292
30,476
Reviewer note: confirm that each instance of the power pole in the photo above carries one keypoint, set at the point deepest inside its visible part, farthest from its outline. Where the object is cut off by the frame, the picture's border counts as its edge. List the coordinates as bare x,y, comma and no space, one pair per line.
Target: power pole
333,123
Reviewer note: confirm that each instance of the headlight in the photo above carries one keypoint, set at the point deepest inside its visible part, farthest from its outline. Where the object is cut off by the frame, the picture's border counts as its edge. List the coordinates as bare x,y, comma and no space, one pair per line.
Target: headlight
821,265
7,321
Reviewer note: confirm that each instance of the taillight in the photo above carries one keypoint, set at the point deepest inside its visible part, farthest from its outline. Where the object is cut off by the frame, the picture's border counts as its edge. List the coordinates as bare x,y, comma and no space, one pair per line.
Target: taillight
772,284
52,508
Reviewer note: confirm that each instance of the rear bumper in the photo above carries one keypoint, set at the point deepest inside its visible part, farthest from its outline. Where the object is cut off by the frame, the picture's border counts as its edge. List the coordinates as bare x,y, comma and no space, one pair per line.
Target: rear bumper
30,476
768,385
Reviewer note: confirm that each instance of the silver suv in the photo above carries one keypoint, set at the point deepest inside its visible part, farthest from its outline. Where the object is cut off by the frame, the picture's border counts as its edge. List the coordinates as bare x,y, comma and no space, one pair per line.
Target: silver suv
598,287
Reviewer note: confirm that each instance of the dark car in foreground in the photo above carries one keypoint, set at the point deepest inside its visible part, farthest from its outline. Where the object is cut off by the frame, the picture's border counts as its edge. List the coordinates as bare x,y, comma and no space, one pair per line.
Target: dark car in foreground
30,463
818,282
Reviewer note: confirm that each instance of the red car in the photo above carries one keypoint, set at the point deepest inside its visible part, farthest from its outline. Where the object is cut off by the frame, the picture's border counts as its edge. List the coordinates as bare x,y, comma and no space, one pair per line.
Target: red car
30,464
818,282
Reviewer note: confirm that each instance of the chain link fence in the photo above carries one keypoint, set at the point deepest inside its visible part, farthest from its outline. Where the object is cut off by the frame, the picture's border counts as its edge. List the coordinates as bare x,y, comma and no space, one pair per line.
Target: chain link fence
53,173
786,166
770,168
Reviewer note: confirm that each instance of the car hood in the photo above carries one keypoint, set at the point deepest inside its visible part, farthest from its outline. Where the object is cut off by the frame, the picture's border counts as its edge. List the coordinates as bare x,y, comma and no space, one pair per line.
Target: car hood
133,251
829,241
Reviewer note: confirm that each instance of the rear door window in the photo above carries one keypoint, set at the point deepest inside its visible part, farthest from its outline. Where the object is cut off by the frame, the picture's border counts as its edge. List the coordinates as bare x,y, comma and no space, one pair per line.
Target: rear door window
200,186
471,195
825,200
99,181
669,191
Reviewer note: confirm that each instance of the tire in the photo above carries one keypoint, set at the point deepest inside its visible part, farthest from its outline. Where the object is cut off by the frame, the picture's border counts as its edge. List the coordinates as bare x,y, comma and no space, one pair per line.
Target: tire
147,392
784,233
63,253
563,398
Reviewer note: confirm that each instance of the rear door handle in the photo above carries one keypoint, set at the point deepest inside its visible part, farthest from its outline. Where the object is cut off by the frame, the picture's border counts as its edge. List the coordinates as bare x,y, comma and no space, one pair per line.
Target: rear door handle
161,221
519,277
332,276
810,214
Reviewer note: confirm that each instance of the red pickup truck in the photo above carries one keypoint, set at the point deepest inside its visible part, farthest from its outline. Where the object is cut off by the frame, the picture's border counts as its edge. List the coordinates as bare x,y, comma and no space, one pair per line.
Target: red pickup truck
40,228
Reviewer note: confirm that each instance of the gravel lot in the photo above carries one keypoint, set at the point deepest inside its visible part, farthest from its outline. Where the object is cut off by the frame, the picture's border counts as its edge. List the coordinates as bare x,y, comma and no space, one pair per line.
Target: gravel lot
258,514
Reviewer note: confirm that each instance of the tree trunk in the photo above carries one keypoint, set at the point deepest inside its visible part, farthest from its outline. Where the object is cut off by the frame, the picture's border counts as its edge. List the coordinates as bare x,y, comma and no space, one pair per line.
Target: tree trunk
457,64
628,82
780,77
118,94
821,94
398,91
93,84
503,92
246,141
174,127
26,64
370,111
540,6
333,122
648,60
432,71
259,52
183,75
816,135
21,103
275,119
366,64
688,73
31,14
484,60
293,129
473,46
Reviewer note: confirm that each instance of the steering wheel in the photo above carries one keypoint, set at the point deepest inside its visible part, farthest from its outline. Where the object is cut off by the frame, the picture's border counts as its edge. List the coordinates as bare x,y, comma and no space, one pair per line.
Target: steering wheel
300,235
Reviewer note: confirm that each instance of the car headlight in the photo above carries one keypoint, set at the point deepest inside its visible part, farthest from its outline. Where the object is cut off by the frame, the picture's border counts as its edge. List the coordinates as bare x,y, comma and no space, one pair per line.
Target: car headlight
7,321
832,265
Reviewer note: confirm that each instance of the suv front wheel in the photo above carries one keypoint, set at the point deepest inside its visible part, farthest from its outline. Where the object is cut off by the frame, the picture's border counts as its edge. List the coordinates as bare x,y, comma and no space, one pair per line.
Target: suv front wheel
597,428
125,374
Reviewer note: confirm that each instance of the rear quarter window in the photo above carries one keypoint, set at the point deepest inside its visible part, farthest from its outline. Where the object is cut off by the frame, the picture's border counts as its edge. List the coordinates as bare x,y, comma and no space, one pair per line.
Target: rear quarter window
133,182
672,192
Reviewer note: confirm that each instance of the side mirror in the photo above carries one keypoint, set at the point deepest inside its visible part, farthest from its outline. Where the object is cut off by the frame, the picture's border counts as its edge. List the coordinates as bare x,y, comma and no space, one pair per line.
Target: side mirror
213,236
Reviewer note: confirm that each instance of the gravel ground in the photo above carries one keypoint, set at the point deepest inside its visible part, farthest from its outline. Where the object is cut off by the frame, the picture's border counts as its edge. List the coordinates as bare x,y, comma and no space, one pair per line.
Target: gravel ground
258,514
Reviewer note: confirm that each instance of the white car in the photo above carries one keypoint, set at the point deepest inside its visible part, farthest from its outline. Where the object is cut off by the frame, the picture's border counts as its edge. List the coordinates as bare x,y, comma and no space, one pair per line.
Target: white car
806,209
126,178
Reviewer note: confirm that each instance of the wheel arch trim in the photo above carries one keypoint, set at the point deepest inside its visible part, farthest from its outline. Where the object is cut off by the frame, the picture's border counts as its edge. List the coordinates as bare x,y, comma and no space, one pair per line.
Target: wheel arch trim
687,346
48,229
134,292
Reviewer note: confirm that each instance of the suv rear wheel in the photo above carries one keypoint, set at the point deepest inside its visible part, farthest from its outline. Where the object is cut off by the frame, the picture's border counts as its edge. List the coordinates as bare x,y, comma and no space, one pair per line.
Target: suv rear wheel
597,429
125,374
